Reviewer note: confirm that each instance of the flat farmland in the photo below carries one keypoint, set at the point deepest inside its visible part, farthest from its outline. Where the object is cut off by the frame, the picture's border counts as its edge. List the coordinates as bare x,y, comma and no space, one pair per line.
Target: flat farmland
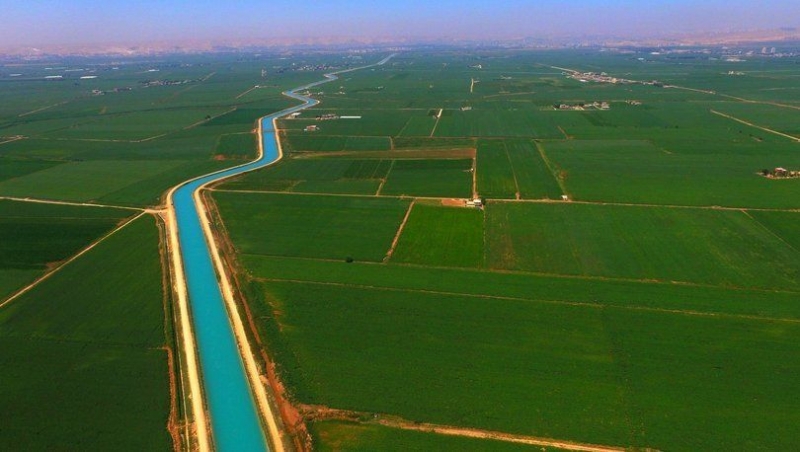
459,360
695,245
316,175
84,365
338,435
641,172
136,126
39,236
11,168
310,141
329,227
446,178
442,236
372,122
656,309
85,181
534,178
498,123
237,146
495,174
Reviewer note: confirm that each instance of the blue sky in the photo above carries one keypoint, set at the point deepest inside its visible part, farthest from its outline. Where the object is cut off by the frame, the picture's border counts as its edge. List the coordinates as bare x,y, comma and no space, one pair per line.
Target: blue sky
39,22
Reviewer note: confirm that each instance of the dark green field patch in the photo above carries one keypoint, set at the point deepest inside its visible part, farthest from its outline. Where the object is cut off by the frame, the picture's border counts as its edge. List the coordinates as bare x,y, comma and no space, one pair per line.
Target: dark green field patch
40,235
238,146
330,227
437,178
136,125
10,169
33,243
507,365
84,181
315,176
83,367
785,225
442,236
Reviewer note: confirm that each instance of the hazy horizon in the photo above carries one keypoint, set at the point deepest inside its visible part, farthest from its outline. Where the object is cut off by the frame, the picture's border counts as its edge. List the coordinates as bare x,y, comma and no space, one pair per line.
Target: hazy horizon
42,23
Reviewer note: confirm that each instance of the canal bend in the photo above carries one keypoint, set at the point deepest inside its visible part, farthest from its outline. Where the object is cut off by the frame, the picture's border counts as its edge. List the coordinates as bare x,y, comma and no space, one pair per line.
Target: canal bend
235,422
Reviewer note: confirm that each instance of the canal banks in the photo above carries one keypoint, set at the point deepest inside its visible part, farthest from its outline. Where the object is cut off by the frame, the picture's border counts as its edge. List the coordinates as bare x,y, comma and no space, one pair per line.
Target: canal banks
232,398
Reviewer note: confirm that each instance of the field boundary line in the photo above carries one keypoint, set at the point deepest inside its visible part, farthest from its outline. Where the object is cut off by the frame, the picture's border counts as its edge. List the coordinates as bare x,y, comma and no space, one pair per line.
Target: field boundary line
21,115
13,139
645,281
645,205
549,166
80,253
584,304
385,178
499,436
517,195
399,233
747,123
770,231
255,87
436,124
70,203
322,412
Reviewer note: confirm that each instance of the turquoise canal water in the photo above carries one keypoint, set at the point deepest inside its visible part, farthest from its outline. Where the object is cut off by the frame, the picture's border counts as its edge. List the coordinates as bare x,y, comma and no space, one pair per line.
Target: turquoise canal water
235,423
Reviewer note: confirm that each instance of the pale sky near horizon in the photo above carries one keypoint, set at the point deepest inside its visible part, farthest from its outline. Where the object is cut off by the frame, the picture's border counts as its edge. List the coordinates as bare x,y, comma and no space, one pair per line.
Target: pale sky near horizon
81,22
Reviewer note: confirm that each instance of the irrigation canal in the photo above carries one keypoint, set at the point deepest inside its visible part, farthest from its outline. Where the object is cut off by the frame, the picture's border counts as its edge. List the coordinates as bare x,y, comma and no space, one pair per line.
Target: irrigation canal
235,422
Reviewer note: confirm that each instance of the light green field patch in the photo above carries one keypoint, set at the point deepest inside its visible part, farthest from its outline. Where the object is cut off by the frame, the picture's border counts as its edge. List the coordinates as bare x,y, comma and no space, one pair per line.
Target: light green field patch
84,181
665,244
533,177
442,236
638,171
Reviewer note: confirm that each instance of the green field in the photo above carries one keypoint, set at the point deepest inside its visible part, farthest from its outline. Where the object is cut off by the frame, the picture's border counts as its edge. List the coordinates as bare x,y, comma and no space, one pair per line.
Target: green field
338,436
84,359
657,309
713,247
438,178
316,176
330,227
442,236
44,235
461,360
237,146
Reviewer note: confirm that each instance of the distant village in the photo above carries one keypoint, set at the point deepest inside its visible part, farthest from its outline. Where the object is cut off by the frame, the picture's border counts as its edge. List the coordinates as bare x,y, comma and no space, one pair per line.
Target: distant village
780,173
583,106
323,117
602,77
